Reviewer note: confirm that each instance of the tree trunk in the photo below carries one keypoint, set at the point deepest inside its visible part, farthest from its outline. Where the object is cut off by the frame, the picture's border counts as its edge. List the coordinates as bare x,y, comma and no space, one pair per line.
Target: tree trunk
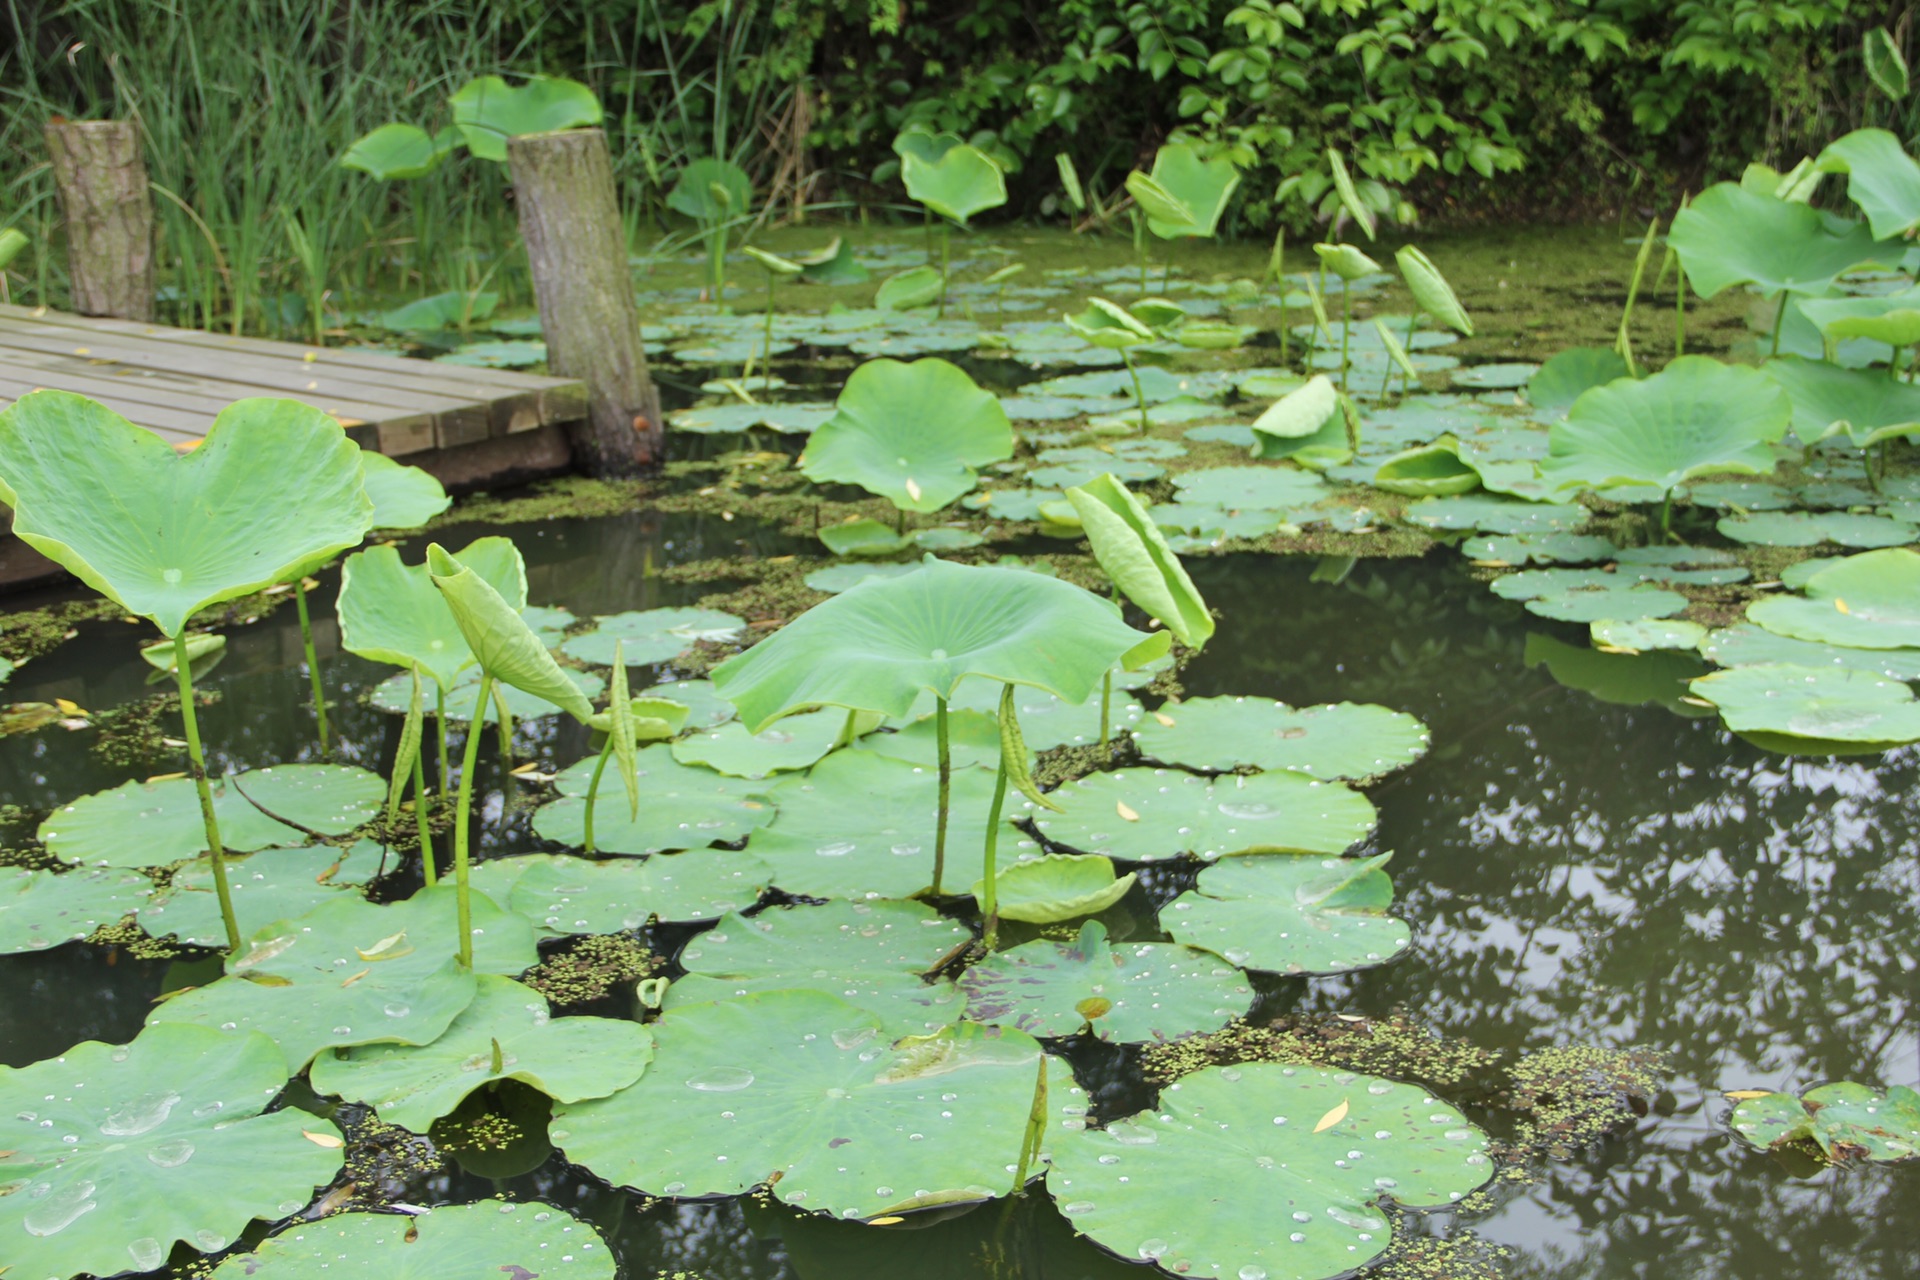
109,211
563,185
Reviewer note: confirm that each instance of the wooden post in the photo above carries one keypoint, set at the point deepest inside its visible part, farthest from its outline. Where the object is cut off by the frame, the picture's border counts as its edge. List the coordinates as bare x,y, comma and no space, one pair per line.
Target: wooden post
563,185
109,211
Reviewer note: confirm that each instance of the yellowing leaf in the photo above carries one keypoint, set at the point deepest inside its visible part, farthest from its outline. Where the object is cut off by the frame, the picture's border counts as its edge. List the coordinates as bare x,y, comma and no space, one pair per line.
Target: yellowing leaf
885,1222
71,708
356,977
387,948
1332,1117
1841,605
1094,1007
165,777
1120,807
1164,719
913,490
1744,1095
330,1141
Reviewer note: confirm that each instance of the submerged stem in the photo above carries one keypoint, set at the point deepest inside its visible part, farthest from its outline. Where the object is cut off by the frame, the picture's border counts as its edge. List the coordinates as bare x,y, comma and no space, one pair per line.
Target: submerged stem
946,236
593,792
313,660
946,789
469,761
183,673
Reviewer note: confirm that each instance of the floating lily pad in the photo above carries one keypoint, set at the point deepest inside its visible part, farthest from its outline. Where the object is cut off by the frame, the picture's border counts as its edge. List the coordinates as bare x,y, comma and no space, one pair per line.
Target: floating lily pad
973,738
1060,886
1809,710
794,742
1291,913
725,419
564,895
651,635
1007,504
1747,495
1497,515
1843,1120
1268,1184
1648,633
1502,376
1137,991
1745,645
290,979
395,694
1257,488
1046,721
273,884
1539,548
1173,813
681,807
507,1033
1341,740
706,709
1624,602
870,954
1809,529
452,1242
161,1141
850,1126
1868,601
41,909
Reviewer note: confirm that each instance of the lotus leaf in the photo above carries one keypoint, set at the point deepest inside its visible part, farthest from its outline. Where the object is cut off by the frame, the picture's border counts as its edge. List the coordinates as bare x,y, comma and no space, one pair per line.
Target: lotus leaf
400,151
1813,710
1893,319
1498,376
1341,740
1430,290
41,909
837,578
488,111
1498,515
681,807
391,612
973,739
273,491
918,287
1556,384
870,954
274,884
1881,178
565,895
452,1242
1250,488
1827,400
1291,913
1198,188
1349,194
1844,1120
1746,645
912,433
863,538
1647,633
818,851
1693,417
516,354
1109,325
958,183
504,646
1868,601
925,144
833,265
1149,815
1132,551
711,191
1810,529
452,310
1430,470
651,635
507,1033
1620,601
1538,548
833,1118
705,708
395,695
287,979
1729,236
1195,518
877,645
1156,385
1262,1154
795,742
1059,886
1345,261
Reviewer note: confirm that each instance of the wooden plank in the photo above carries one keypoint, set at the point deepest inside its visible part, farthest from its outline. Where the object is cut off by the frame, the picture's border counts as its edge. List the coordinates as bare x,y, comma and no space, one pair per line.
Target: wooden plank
170,425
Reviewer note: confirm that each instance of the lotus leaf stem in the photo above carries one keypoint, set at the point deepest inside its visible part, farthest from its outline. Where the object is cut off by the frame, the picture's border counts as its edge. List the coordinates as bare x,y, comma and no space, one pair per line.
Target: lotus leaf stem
946,237
427,869
1679,309
1413,322
503,718
1036,1130
990,894
766,356
470,761
1346,331
1140,245
1106,704
946,791
593,793
440,720
183,673
313,660
1779,321
1139,396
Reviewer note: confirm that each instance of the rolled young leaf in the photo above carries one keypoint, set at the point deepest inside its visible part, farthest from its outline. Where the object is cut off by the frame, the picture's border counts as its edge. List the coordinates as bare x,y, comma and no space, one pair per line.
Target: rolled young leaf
1431,290
621,730
1135,554
500,638
1013,753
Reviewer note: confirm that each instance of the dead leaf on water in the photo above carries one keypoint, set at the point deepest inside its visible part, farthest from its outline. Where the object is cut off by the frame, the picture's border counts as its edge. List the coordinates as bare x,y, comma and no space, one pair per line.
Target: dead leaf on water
1744,1095
1120,807
330,1141
1332,1117
1164,719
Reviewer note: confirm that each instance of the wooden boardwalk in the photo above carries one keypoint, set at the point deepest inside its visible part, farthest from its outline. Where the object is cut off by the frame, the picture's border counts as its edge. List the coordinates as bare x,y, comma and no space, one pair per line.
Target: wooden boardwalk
173,382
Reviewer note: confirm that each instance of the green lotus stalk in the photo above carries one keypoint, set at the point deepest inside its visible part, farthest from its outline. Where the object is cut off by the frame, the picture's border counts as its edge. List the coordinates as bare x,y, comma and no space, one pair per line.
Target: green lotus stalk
946,794
1623,340
1139,395
1679,309
990,893
1036,1130
593,793
1779,322
183,672
428,871
1106,709
1277,267
503,721
1346,328
463,807
440,721
946,257
313,660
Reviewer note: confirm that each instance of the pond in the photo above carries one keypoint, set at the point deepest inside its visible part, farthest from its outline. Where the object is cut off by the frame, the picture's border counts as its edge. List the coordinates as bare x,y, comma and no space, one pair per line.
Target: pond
1620,910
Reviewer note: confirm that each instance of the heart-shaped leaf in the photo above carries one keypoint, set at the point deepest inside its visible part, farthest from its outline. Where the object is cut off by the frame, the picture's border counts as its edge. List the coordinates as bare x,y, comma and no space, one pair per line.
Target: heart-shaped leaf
391,612
961,182
488,111
913,433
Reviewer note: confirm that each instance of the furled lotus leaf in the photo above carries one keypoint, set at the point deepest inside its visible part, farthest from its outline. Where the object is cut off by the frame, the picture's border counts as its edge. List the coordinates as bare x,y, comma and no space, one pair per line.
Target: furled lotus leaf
452,1242
162,1143
877,645
1648,633
1693,417
1109,325
1291,913
507,1033
391,612
1175,813
272,492
962,181
694,191
1729,236
863,538
1430,289
1152,991
870,954
773,262
833,265
142,824
289,980
1746,645
917,287
1345,261
1844,1120
41,909
564,895
273,884
1428,470
912,433
816,1103
488,111
651,635
817,852
1059,886
403,497
1166,211
1134,553
1303,411
794,742
1339,740
1881,178
1250,488
1868,601
1812,528
1349,194
1890,318
1565,377
681,807
1813,710
1200,187
1269,1188
503,645
1828,400
400,151
163,655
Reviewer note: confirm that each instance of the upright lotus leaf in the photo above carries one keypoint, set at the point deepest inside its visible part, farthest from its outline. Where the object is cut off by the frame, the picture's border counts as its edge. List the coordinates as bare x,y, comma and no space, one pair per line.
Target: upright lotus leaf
115,1153
1107,324
915,287
800,1090
1866,406
1166,212
400,151
835,264
42,909
507,1033
1566,376
1268,1183
1892,318
1136,992
1148,815
392,612
403,497
488,111
1135,554
565,896
290,980
962,181
1201,186
1338,740
1729,236
681,807
1881,178
272,492
1886,65
773,262
1844,1120
1059,886
712,191
1345,261
1694,417
505,647
1813,710
1868,601
870,954
1349,194
1291,913
12,241
925,144
1431,291
875,646
914,434
453,1242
